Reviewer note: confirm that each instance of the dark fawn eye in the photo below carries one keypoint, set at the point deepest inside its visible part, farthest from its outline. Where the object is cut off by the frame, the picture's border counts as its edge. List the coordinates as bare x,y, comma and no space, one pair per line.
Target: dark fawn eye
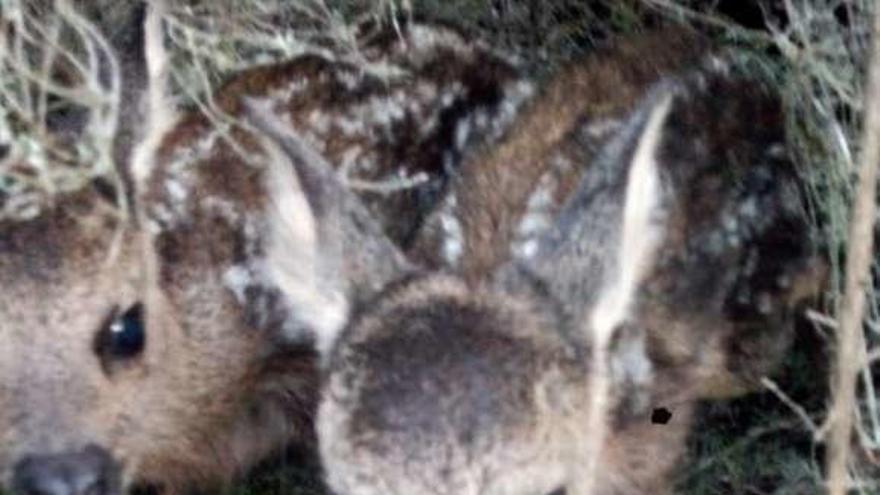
123,337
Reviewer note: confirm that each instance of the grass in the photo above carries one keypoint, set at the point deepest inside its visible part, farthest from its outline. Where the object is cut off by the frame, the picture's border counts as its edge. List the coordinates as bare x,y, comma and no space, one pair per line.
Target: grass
755,445
52,63
297,473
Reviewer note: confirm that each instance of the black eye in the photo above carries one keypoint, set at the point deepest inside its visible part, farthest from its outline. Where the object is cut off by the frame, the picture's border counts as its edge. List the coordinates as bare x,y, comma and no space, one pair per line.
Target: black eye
123,336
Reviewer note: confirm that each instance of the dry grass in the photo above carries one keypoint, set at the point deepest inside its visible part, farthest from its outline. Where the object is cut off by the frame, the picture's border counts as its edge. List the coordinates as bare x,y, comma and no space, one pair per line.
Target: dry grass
55,67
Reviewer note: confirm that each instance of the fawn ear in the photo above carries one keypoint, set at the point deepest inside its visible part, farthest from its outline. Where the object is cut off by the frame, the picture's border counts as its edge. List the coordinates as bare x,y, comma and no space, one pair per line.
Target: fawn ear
642,225
604,241
603,245
324,250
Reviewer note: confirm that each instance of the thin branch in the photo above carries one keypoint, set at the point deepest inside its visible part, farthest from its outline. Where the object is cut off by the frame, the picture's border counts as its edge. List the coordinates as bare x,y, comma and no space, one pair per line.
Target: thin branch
858,263
821,319
387,186
794,406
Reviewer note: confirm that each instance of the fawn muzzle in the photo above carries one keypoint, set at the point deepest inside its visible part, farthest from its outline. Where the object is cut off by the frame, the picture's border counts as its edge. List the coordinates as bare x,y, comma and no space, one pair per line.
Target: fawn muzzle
90,471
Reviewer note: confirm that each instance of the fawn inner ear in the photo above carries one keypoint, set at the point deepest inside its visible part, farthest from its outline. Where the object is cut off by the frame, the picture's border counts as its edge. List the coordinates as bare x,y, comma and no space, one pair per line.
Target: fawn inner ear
304,247
641,230
291,216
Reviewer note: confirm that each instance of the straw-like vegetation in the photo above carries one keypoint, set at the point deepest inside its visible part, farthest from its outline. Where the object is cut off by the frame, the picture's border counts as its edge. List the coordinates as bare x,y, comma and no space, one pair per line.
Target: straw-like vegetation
53,77
52,81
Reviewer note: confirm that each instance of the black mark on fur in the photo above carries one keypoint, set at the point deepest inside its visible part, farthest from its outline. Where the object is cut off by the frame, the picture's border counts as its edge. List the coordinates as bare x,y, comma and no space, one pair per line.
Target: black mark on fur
661,416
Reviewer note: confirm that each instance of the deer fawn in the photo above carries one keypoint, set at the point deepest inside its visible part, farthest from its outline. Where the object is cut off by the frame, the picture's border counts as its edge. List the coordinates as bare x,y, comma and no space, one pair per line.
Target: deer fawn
543,374
507,197
153,346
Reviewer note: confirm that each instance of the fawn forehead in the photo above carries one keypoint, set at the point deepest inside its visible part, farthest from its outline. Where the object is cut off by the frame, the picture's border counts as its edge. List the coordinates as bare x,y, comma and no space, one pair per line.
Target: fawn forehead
472,353
80,242
439,303
440,316
438,324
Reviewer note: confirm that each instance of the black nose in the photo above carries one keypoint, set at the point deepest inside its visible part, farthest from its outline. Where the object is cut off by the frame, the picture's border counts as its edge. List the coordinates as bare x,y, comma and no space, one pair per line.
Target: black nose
90,471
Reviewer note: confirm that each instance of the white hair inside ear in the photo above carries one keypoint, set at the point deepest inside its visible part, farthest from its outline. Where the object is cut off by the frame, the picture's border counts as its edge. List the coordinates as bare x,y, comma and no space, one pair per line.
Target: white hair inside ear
641,233
297,259
640,237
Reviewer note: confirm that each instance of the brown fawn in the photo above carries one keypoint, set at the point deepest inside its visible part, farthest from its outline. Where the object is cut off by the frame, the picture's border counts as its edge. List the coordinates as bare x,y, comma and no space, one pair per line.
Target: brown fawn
543,374
152,346
507,197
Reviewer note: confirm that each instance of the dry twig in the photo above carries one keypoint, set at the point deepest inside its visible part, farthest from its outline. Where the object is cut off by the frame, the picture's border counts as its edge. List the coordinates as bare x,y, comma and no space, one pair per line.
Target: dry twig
859,255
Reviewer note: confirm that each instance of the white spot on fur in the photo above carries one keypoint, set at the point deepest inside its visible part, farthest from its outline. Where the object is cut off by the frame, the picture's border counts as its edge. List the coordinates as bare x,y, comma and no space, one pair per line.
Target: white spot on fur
185,157
602,127
462,133
174,207
541,209
349,80
424,40
349,127
450,94
154,227
377,112
453,236
176,191
237,279
749,207
718,64
284,94
778,150
537,218
319,121
515,94
230,213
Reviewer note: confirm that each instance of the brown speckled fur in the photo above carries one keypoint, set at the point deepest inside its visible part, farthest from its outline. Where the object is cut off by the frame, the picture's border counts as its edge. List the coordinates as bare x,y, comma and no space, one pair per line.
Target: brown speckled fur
731,123
447,84
435,385
477,383
494,186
